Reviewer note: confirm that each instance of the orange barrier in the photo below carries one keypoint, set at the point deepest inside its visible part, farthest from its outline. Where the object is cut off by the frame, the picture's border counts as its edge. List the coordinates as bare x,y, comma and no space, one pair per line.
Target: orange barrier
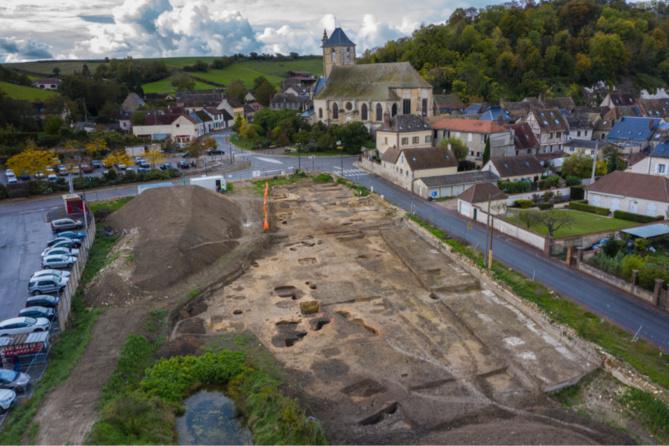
265,225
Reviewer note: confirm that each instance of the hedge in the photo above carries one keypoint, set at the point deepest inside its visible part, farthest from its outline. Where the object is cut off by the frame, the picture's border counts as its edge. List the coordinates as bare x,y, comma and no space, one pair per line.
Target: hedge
636,217
523,204
580,206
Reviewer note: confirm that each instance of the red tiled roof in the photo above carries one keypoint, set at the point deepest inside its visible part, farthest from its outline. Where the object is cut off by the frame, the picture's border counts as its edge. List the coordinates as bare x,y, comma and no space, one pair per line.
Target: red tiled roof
467,125
481,192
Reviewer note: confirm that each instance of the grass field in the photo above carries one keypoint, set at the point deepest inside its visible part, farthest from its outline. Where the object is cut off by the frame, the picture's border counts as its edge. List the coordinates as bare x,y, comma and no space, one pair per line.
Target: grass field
165,86
46,67
25,93
583,223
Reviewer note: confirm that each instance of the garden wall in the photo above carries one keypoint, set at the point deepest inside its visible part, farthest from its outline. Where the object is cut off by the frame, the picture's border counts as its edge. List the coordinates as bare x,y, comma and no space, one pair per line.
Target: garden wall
562,193
514,231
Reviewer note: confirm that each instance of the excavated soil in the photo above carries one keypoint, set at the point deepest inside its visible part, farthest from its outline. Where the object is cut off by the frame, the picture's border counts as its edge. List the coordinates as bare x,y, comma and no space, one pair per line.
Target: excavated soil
409,343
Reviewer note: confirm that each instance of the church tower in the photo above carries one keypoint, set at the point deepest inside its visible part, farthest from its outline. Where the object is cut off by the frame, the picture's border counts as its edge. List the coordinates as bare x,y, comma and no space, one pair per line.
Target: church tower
338,50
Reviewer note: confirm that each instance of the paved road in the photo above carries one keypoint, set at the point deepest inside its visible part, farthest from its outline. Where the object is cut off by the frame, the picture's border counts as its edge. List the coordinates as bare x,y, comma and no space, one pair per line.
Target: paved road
598,297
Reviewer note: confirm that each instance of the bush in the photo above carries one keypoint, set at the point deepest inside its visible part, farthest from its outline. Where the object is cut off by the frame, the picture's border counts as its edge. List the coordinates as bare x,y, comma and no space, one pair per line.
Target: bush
635,217
523,204
323,178
573,181
515,187
545,206
549,182
580,206
612,246
3,191
649,272
630,263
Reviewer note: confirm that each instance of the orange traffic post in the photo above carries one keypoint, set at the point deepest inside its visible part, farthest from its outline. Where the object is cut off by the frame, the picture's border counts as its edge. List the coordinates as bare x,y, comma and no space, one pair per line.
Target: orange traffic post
265,225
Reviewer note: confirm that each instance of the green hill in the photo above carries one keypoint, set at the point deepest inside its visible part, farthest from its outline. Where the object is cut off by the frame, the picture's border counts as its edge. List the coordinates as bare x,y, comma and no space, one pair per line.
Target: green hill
25,93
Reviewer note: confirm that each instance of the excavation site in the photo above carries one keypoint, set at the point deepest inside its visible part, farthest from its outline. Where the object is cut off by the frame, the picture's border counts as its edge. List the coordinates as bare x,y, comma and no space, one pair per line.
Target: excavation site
390,338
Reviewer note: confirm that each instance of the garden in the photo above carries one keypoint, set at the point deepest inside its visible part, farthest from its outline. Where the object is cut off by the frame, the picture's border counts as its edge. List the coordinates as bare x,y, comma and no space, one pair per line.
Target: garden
559,223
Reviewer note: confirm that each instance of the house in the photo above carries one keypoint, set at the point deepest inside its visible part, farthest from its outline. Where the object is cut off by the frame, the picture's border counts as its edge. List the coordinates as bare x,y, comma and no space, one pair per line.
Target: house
50,83
622,104
206,120
482,196
404,132
655,108
248,97
250,109
219,118
182,128
657,163
582,124
83,126
631,192
475,134
366,92
550,128
447,103
132,103
496,113
524,141
633,133
564,103
286,101
197,100
232,108
517,111
584,147
444,186
404,166
520,168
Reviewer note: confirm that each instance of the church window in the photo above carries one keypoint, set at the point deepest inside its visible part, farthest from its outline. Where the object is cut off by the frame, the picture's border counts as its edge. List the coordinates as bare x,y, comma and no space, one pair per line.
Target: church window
363,112
335,111
379,112
334,56
349,106
424,107
393,110
406,106
320,113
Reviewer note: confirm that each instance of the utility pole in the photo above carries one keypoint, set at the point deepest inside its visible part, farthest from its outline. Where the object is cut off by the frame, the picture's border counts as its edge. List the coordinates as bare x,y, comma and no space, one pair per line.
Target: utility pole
489,234
594,161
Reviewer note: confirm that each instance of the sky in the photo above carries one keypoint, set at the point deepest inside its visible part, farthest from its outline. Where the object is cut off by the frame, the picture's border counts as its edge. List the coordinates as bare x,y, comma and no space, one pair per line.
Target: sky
77,29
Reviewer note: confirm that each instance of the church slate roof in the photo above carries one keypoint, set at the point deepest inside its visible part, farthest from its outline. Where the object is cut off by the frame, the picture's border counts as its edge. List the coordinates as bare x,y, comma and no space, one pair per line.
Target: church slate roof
371,81
337,38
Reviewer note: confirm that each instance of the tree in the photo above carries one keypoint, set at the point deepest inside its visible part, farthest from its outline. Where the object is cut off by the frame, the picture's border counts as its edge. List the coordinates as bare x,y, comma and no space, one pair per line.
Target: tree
614,159
154,157
580,166
95,146
138,117
553,220
529,218
608,55
263,91
115,158
53,124
32,160
457,146
183,82
236,91
56,72
486,151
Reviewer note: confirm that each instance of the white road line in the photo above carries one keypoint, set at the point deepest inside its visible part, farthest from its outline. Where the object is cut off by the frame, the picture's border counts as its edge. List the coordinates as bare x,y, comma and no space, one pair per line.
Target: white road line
268,160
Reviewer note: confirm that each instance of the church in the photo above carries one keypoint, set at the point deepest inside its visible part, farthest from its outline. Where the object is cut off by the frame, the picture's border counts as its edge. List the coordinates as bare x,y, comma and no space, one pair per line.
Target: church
366,92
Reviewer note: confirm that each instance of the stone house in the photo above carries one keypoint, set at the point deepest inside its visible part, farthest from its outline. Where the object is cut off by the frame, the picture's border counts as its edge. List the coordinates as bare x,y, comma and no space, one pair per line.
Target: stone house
520,168
478,197
657,163
404,132
475,134
550,128
404,166
631,192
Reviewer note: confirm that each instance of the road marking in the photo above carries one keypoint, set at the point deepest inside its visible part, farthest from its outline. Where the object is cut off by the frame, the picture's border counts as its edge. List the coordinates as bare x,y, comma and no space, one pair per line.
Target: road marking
268,160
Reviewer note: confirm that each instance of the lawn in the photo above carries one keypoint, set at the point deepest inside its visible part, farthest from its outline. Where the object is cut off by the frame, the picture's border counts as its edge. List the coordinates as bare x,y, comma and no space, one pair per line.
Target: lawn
26,93
165,86
46,67
583,223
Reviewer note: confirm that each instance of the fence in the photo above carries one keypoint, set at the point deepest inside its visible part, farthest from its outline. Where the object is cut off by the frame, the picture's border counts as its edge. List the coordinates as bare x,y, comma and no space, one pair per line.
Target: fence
511,230
65,305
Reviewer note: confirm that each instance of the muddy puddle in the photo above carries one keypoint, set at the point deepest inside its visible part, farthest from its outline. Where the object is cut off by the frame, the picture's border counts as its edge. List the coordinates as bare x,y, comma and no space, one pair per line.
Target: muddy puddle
211,418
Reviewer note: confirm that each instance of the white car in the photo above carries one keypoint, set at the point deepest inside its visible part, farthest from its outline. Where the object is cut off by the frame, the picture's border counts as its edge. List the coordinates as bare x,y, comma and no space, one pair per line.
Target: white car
60,250
52,177
7,399
23,325
11,179
58,261
51,272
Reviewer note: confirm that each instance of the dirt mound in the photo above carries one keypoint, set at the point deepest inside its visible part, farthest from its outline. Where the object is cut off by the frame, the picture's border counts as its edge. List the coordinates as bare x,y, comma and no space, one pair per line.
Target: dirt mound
181,230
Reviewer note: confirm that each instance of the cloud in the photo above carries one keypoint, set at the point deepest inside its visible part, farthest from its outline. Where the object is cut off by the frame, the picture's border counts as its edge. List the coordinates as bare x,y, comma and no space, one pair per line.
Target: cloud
94,18
373,33
18,50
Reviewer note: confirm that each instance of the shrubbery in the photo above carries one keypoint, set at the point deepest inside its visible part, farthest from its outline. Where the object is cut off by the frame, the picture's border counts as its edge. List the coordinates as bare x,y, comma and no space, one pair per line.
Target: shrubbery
523,204
515,187
635,217
580,206
549,182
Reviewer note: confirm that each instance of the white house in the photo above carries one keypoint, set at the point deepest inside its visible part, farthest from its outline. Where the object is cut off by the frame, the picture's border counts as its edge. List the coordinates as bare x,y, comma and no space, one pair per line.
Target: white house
631,192
50,83
182,128
655,164
550,128
519,168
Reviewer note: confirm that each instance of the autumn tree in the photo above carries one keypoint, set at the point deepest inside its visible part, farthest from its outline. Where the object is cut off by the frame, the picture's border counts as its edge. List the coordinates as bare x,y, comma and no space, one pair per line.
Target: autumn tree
116,158
183,82
95,146
154,157
32,160
457,146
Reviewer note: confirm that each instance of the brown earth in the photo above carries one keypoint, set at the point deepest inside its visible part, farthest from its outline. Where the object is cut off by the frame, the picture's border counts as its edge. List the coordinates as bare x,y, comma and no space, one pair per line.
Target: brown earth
408,343
211,240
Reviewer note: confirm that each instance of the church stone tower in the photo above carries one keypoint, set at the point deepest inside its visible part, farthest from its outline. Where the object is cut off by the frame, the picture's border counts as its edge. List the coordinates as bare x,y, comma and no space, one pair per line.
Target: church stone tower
338,50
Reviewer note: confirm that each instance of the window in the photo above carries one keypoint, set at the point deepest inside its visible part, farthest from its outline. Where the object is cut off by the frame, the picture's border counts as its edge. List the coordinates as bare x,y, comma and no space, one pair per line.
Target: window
415,140
335,111
393,110
320,113
578,133
379,112
428,138
478,154
363,112
661,168
385,140
334,56
405,141
406,106
349,106
550,135
424,107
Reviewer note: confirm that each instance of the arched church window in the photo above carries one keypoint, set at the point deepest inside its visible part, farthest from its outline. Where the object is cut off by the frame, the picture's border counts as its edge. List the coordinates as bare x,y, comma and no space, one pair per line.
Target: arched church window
379,112
335,111
363,112
320,113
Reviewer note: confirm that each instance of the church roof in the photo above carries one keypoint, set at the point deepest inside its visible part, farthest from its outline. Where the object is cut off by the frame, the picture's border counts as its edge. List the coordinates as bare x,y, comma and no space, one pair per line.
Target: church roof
371,81
337,38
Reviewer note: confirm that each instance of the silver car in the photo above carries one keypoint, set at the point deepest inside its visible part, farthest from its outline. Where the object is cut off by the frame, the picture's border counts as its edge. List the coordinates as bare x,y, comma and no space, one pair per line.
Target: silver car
63,242
46,284
51,272
60,251
17,381
58,261
63,224
22,325
7,399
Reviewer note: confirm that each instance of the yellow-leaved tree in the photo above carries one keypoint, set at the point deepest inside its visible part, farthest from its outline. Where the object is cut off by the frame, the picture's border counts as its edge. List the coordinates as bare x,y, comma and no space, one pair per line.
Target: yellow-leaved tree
96,146
32,160
115,158
154,157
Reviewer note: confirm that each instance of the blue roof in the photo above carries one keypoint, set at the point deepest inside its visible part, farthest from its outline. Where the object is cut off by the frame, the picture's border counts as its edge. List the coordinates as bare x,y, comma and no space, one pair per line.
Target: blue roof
632,128
648,231
661,150
320,84
196,118
473,109
337,38
495,113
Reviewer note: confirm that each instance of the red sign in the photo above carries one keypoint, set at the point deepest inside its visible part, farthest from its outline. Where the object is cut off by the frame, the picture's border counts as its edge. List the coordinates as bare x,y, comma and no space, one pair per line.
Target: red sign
22,349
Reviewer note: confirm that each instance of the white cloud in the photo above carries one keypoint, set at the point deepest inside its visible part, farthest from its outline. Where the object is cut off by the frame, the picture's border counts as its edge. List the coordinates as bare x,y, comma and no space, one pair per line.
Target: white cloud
19,50
372,33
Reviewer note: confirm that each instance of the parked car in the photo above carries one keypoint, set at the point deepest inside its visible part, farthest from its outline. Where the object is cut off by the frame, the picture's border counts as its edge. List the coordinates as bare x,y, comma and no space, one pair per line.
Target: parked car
17,381
183,164
166,166
22,325
52,177
37,311
58,261
7,399
74,235
215,152
121,167
63,224
144,164
43,300
39,175
59,250
12,179
63,242
24,177
51,272
97,164
87,168
47,284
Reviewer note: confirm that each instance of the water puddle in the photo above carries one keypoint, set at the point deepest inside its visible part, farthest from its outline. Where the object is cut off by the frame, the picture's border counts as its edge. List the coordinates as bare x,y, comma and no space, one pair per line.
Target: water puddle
211,418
